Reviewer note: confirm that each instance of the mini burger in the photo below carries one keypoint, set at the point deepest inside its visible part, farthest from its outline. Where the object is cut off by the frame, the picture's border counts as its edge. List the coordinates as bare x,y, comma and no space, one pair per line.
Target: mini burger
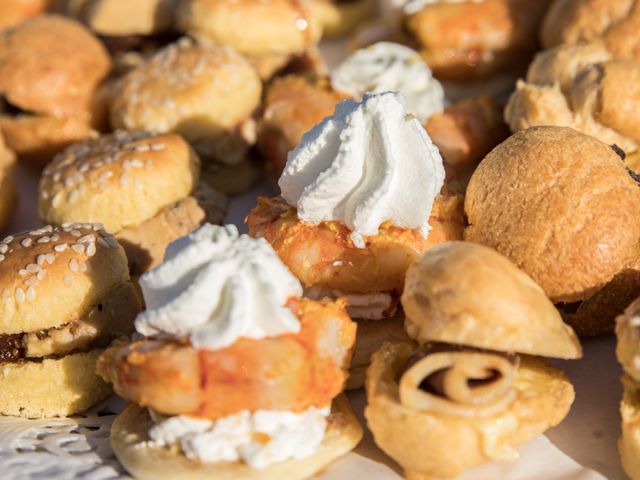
143,187
472,387
7,189
237,376
65,294
51,69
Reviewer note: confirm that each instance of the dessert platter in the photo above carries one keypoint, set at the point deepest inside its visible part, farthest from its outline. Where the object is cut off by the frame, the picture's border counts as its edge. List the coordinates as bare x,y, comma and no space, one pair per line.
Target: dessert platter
329,239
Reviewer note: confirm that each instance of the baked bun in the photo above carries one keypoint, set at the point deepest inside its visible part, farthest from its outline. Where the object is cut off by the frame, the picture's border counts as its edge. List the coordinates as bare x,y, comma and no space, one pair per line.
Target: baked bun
14,12
522,200
463,293
142,187
131,444
578,86
65,294
340,17
7,188
629,443
268,27
628,334
50,70
140,17
616,22
207,94
430,444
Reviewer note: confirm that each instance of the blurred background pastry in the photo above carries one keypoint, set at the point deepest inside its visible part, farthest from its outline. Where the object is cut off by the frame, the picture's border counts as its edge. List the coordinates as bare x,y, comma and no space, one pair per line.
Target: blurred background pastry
472,389
223,307
272,33
8,197
51,68
209,95
342,17
66,295
14,12
144,188
553,200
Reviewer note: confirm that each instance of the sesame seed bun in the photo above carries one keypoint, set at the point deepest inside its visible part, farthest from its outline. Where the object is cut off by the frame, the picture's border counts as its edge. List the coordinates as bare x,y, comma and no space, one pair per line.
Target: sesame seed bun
54,275
14,12
53,387
431,444
204,93
467,294
120,180
267,26
7,189
341,18
552,200
130,443
140,17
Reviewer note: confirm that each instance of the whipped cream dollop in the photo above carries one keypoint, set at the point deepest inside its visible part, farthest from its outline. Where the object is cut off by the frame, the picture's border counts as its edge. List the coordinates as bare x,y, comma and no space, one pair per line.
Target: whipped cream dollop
368,163
386,66
414,6
216,286
260,439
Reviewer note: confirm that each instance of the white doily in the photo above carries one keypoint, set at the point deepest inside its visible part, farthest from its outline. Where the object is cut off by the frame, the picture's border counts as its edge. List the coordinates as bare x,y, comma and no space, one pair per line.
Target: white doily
61,448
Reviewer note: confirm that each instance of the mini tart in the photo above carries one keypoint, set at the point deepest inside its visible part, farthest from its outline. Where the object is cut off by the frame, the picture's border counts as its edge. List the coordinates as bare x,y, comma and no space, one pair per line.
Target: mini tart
429,443
208,94
65,294
340,265
140,186
341,17
50,103
131,444
8,196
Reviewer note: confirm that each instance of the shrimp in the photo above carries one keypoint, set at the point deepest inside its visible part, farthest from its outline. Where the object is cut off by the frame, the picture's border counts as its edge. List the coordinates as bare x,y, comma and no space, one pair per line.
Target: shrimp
323,255
288,372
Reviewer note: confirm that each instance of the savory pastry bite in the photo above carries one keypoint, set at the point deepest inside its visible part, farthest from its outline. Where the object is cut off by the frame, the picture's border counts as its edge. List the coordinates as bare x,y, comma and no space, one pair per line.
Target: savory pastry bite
142,187
553,199
14,12
579,86
360,200
65,295
470,41
222,307
341,17
614,22
8,196
272,33
208,95
473,388
51,68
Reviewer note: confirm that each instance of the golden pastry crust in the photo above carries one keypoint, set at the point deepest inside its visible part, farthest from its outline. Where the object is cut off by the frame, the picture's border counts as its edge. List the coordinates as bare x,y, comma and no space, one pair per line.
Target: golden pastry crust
204,93
565,88
54,275
14,12
120,180
267,27
552,200
323,255
140,17
474,40
464,293
340,18
628,345
428,443
130,442
615,22
629,442
8,196
54,387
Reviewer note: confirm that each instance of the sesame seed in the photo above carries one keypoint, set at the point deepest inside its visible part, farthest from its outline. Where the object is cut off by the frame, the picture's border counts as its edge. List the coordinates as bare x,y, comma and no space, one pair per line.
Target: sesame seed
113,243
104,176
136,163
67,280
45,194
57,198
73,196
102,242
90,237
75,233
50,257
26,242
69,182
91,249
40,274
57,175
7,240
6,295
44,239
84,168
156,147
31,294
55,237
83,266
78,248
31,281
4,247
19,295
22,272
40,259
47,229
66,225
33,268
2,257
142,148
73,265
61,247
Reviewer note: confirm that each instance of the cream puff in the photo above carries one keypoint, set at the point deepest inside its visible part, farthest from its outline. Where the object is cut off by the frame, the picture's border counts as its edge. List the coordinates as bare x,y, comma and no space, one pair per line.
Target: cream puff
471,41
51,69
143,187
614,22
472,388
65,295
579,86
208,95
553,199
222,307
272,33
344,231
14,12
8,196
